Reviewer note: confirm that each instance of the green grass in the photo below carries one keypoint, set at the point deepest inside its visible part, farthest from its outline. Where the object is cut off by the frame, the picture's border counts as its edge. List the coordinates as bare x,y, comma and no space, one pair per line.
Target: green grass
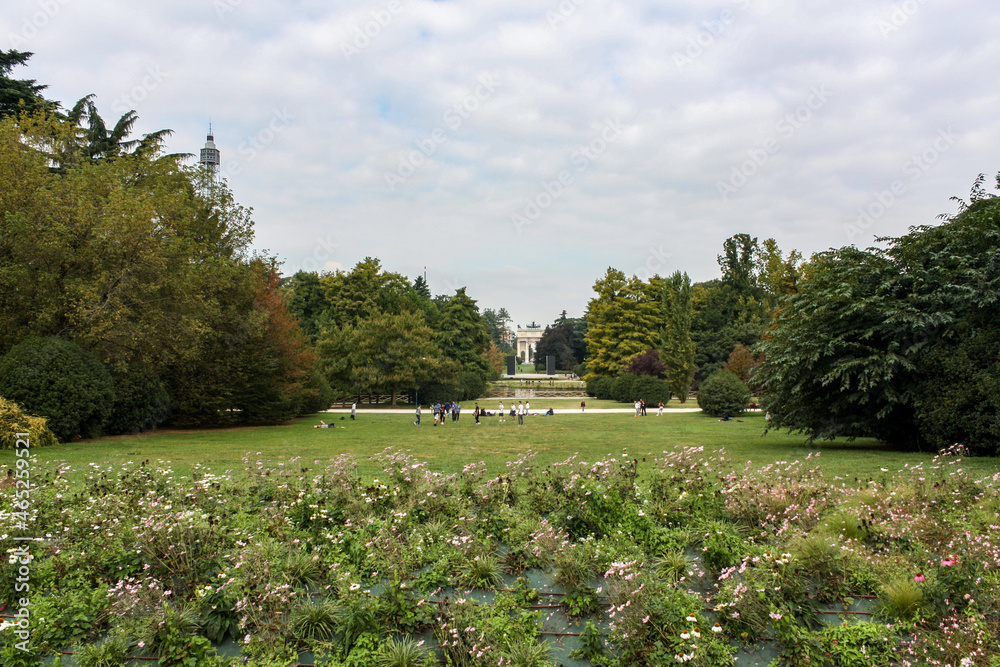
447,448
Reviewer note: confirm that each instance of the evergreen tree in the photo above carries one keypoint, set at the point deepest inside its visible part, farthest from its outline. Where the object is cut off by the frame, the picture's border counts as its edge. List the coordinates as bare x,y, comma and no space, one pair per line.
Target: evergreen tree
677,347
19,94
462,336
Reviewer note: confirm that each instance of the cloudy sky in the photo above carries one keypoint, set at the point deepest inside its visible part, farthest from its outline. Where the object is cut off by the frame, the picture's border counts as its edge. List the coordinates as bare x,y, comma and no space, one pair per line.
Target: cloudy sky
521,147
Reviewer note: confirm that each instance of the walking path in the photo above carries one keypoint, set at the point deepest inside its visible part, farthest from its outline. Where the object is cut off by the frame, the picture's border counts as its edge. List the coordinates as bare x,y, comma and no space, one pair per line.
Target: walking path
407,409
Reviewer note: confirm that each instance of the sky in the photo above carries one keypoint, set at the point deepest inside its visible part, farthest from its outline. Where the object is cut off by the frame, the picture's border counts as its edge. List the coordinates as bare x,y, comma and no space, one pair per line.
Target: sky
519,148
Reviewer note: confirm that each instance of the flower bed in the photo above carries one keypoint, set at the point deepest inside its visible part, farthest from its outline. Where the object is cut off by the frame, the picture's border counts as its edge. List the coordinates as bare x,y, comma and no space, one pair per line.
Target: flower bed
685,559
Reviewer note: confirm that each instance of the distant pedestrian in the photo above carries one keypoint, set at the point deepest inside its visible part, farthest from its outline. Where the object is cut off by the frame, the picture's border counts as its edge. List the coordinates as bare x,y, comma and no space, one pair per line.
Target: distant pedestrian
475,413
417,423
583,406
642,406
437,413
636,409
520,414
527,408
354,410
500,413
659,409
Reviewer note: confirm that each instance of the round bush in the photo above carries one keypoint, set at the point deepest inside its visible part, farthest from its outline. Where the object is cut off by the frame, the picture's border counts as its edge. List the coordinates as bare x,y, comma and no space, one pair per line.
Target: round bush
14,420
652,390
623,389
599,386
722,392
58,380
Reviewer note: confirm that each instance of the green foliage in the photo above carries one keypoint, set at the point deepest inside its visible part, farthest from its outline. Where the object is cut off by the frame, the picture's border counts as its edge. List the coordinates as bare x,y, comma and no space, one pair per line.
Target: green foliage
677,348
557,341
18,95
112,652
141,402
58,380
902,600
623,320
623,390
898,343
14,420
313,619
600,386
723,392
652,390
404,652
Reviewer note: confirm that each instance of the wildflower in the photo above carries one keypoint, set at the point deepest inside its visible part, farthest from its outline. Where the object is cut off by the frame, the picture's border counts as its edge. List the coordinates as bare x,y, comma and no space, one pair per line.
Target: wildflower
685,635
948,561
776,616
716,628
919,578
690,618
355,587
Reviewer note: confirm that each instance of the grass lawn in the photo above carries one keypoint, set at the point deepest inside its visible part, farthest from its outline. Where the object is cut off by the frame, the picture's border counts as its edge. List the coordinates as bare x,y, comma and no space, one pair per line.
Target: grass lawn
447,448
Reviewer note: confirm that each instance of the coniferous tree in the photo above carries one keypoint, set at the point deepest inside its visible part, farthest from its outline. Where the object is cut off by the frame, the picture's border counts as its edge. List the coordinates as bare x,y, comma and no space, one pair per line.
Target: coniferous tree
677,347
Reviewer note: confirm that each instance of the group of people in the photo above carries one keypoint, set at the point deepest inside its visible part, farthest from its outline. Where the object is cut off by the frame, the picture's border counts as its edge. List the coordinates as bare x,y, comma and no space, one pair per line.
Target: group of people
441,412
640,408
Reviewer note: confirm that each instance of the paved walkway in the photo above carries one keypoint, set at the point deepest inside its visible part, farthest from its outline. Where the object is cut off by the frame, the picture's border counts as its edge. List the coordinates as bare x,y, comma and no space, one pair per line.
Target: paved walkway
467,410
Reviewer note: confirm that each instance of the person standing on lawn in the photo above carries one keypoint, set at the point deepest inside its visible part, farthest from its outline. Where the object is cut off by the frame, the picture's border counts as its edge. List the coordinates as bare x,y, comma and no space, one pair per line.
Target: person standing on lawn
354,410
417,423
500,413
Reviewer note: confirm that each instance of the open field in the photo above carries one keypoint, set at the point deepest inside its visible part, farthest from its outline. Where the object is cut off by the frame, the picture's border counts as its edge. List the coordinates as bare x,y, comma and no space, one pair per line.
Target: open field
448,448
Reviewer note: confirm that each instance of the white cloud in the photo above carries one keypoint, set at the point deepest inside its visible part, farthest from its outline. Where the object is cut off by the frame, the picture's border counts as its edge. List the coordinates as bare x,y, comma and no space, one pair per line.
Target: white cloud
563,67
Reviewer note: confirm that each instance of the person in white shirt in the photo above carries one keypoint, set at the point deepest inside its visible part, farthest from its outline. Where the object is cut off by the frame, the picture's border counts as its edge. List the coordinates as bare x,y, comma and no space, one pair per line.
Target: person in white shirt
500,413
520,414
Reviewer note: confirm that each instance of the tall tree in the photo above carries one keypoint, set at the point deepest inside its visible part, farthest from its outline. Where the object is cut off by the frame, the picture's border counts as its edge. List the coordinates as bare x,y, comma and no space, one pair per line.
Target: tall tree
498,325
899,343
677,347
462,335
366,290
17,95
557,341
623,320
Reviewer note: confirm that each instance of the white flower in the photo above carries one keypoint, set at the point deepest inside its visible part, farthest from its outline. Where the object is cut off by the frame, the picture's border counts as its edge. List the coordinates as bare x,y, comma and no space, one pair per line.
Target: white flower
355,587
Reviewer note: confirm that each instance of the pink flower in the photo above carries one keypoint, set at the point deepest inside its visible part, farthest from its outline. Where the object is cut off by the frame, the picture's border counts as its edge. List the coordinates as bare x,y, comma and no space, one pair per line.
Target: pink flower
949,561
919,578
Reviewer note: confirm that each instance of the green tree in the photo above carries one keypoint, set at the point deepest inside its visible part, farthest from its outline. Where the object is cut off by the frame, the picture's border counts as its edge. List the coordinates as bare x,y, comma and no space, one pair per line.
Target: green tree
898,343
58,380
19,95
557,341
307,302
677,349
366,290
384,352
623,320
462,336
498,325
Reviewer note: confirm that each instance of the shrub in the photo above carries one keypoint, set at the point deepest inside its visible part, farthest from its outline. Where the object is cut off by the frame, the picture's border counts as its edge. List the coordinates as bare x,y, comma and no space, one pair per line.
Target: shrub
59,380
652,390
317,394
13,420
623,389
722,392
600,386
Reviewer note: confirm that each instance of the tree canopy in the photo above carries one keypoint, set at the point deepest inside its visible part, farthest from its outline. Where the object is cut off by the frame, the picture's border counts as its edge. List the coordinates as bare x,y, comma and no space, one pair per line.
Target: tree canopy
900,343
